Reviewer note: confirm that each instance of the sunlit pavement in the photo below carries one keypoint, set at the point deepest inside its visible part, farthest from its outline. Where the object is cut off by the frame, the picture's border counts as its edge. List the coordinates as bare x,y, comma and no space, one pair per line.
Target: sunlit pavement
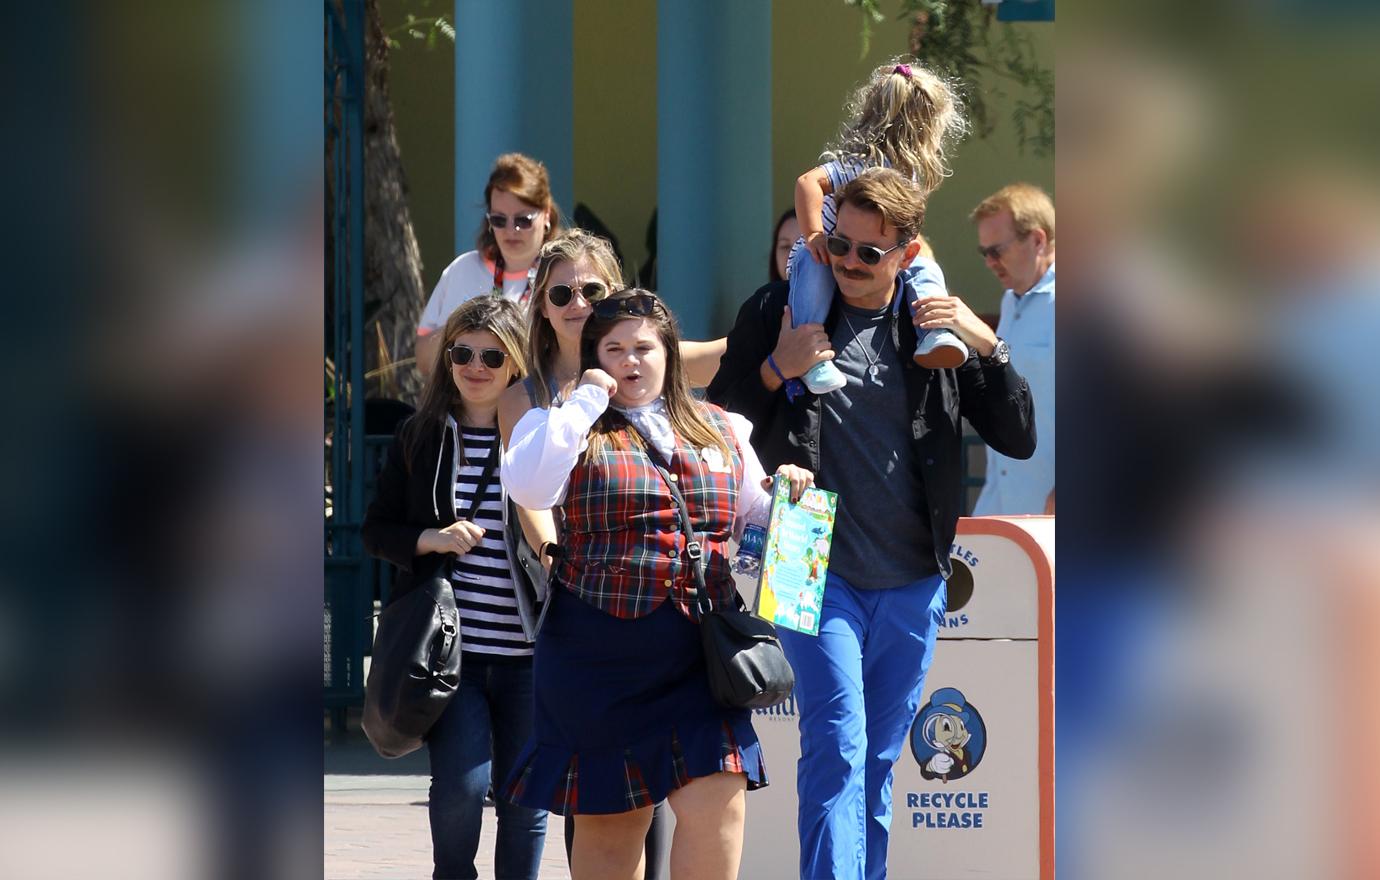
376,819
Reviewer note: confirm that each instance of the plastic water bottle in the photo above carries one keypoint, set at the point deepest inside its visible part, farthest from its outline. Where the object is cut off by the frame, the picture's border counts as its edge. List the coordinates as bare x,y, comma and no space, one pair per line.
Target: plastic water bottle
748,559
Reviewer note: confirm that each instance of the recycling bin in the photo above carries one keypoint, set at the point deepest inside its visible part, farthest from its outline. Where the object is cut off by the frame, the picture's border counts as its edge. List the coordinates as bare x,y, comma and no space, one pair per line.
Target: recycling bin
973,793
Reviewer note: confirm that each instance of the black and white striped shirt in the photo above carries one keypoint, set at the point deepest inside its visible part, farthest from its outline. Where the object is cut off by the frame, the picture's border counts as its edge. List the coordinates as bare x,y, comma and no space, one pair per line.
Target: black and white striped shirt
483,583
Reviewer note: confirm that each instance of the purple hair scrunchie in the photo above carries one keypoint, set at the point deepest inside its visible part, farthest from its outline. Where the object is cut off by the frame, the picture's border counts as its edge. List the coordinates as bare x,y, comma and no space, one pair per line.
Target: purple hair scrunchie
903,69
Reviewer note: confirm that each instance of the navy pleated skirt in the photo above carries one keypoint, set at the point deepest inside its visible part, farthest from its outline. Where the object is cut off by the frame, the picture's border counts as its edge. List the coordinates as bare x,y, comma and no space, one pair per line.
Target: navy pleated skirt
623,713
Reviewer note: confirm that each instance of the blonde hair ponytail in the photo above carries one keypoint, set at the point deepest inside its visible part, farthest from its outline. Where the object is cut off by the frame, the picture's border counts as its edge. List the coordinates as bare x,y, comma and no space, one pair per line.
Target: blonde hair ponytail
904,116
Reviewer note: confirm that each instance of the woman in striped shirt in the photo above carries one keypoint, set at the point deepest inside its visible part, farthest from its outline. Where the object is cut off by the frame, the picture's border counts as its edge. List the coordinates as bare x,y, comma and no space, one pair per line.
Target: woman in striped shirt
440,506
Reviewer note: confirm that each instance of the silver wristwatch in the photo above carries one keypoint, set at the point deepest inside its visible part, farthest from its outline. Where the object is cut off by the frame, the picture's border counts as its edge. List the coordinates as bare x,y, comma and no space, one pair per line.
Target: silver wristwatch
1000,355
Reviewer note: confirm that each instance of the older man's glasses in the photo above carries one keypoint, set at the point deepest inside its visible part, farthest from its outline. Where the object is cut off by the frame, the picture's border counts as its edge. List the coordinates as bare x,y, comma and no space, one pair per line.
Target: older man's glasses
520,221
869,255
560,295
461,355
994,252
638,306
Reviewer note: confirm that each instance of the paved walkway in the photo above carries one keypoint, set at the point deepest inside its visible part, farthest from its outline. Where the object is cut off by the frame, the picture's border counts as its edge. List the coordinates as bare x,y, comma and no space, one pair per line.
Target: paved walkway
376,820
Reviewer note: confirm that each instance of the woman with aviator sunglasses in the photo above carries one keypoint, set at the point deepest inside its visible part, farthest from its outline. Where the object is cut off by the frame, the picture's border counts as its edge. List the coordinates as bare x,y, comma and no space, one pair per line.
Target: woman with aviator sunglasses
624,716
440,507
519,217
576,269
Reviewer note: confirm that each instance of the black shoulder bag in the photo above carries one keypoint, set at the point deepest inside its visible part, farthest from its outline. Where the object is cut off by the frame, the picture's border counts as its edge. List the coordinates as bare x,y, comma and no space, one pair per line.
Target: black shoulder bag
415,668
747,667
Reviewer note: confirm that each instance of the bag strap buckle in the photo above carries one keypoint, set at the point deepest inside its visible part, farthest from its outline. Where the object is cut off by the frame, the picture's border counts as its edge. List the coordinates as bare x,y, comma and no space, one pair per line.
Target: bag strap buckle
449,630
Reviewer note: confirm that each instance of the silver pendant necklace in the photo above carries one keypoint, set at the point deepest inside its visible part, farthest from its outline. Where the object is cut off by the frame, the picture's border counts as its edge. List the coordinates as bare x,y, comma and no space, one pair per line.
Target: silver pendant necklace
874,369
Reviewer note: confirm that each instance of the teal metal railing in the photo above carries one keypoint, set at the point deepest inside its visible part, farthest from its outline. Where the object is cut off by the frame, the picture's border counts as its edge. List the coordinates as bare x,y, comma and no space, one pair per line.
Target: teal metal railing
347,600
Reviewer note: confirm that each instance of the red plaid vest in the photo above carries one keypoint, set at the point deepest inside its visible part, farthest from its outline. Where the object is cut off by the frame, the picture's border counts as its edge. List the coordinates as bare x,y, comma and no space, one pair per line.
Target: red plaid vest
624,549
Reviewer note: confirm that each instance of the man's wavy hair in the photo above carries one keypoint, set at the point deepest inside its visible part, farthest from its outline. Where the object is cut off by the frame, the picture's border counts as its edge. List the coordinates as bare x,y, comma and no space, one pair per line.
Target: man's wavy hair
889,193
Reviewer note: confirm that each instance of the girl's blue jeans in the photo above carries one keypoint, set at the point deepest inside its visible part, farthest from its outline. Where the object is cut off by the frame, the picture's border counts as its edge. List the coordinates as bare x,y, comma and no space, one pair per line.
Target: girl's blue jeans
475,743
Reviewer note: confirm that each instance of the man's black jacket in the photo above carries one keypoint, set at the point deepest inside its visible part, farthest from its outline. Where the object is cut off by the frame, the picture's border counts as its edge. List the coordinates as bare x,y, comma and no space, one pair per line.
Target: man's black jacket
995,400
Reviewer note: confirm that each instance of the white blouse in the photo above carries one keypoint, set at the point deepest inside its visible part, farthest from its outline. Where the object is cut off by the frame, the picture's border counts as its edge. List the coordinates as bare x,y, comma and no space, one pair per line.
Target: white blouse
546,444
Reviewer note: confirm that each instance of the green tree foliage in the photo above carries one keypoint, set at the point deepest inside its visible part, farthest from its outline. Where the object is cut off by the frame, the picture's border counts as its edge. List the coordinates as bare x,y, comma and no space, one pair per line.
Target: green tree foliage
425,28
964,39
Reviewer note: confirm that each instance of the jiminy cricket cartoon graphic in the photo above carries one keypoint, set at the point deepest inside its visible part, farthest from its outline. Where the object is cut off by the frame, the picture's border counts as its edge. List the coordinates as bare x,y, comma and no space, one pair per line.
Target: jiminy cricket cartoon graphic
949,736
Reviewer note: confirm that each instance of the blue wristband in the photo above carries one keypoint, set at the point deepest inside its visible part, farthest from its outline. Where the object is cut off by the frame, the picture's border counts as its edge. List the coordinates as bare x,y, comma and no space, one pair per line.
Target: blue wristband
794,387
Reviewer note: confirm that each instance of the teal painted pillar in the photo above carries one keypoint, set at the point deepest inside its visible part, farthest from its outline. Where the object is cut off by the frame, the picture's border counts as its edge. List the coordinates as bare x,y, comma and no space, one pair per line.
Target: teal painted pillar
279,168
514,66
714,173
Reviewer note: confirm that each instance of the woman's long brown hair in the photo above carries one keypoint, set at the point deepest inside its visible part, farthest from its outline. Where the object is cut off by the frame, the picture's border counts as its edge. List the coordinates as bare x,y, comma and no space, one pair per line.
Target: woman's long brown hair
526,178
689,418
441,398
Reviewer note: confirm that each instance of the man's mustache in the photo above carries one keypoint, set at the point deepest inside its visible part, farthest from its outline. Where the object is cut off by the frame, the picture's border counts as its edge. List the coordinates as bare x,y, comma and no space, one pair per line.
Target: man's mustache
854,274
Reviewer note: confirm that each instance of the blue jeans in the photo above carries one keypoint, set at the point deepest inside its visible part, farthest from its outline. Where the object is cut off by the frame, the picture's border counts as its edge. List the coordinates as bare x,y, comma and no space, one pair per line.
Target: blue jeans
857,687
473,746
812,286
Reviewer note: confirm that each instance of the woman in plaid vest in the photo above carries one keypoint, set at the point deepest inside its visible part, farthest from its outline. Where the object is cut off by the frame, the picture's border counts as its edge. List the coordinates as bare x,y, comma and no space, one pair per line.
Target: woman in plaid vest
624,716
576,269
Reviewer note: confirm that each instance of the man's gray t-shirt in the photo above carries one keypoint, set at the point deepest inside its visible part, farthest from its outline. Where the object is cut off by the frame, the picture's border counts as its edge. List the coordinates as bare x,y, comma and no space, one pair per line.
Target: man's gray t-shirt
882,537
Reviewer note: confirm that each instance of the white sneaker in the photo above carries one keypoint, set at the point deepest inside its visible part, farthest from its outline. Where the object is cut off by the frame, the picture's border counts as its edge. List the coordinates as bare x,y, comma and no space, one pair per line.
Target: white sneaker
823,377
941,350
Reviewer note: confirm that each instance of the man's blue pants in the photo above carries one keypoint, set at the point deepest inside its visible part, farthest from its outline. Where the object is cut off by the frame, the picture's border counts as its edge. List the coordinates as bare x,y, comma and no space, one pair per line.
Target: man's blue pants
857,688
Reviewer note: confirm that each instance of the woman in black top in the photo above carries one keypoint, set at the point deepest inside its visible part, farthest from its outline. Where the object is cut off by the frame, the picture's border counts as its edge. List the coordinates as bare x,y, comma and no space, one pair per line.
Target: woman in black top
440,506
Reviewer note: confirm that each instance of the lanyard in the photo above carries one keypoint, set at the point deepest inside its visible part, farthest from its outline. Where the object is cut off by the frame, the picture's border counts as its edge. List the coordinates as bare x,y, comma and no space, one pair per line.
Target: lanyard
526,291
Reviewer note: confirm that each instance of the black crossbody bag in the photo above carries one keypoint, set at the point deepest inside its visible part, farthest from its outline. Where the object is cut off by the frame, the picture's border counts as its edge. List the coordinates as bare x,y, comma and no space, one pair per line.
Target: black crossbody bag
747,667
415,668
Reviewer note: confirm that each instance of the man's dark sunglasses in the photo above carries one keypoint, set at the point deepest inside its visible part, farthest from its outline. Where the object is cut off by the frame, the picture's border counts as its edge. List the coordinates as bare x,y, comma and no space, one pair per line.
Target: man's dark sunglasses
638,306
994,252
869,255
460,355
520,221
560,295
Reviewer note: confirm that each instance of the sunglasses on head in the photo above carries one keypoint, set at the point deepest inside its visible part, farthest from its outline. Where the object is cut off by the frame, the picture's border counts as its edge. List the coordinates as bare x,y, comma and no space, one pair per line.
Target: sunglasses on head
460,355
869,255
561,294
520,221
639,306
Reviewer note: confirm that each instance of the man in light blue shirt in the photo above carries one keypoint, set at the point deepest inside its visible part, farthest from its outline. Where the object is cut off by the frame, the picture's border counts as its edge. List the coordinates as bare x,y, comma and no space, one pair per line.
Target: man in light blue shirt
1015,229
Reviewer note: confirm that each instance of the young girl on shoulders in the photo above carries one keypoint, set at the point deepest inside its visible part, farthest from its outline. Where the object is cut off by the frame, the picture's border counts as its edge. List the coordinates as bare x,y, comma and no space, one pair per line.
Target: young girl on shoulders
904,117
